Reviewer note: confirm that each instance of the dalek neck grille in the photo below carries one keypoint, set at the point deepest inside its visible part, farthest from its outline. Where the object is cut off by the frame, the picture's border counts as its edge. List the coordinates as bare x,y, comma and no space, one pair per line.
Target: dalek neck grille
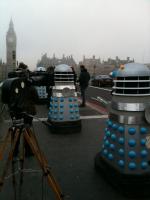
132,79
63,73
64,77
132,86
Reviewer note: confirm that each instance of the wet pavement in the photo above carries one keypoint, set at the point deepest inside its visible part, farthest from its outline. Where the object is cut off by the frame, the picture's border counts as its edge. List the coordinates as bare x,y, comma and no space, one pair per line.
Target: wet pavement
71,158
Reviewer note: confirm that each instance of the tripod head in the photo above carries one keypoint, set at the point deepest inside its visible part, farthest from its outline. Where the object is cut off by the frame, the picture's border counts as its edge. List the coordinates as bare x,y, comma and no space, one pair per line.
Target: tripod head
20,120
18,123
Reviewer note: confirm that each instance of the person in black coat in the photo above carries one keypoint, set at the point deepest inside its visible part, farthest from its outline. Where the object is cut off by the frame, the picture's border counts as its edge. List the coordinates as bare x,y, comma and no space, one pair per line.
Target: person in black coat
29,97
74,78
83,83
50,83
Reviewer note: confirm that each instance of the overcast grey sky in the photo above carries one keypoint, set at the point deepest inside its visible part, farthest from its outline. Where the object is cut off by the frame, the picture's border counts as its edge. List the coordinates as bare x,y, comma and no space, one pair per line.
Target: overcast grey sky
105,28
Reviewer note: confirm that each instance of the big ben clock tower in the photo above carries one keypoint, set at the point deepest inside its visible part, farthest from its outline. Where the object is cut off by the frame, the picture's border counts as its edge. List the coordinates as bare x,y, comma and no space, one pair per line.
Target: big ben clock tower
11,42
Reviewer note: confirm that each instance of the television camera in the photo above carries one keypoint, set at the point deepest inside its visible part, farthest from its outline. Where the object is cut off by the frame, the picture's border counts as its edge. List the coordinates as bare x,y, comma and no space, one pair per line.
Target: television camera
15,88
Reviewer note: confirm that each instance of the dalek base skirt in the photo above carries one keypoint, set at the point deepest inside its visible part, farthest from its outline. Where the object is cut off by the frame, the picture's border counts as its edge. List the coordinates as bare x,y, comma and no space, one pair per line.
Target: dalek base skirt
129,185
65,127
125,154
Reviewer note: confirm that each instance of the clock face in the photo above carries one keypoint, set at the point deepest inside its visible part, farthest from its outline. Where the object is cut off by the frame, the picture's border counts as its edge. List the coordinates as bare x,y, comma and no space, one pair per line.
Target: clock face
10,39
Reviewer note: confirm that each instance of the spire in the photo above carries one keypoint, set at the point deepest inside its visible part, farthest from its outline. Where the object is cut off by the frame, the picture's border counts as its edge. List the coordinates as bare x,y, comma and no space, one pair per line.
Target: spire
11,25
11,30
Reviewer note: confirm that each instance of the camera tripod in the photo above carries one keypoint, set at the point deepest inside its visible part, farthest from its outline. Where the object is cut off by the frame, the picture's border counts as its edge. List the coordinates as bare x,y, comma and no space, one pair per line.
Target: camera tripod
20,135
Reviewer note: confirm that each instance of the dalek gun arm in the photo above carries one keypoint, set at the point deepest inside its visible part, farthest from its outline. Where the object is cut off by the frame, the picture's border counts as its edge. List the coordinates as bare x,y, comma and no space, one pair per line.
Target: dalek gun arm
103,102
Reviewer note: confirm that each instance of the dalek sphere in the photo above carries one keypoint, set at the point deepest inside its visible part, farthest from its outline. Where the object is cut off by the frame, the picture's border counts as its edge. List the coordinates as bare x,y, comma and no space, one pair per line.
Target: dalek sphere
64,113
125,155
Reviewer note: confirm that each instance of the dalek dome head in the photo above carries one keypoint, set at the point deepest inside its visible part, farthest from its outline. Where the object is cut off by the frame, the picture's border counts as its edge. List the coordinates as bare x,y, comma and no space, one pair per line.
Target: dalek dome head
41,69
63,74
131,79
133,69
63,68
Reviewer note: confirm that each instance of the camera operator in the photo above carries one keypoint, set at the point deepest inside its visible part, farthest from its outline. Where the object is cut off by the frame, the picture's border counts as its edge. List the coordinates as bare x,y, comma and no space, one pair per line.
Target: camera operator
30,96
30,99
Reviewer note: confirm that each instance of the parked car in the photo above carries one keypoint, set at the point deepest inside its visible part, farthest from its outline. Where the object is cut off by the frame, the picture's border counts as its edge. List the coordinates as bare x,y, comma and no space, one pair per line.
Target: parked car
102,80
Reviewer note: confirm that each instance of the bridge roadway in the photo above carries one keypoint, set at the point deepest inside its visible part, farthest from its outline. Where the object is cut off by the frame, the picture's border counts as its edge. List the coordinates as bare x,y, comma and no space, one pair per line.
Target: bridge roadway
71,157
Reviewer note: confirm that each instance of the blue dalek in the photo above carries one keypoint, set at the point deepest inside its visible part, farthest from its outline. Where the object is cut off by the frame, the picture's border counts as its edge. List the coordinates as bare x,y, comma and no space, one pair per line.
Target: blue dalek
64,113
125,155
41,90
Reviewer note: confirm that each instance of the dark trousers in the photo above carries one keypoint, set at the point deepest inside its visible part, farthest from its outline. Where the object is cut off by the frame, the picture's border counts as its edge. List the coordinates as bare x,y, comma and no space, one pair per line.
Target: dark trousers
49,92
83,89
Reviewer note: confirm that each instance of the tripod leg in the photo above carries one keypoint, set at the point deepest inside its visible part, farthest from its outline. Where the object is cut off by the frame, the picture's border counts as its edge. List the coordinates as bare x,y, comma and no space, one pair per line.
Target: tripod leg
32,134
44,164
21,156
13,167
10,156
14,179
21,160
5,143
42,156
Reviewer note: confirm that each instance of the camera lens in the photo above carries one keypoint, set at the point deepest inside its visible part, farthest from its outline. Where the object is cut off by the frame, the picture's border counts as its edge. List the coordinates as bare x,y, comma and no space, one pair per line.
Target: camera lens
22,84
16,90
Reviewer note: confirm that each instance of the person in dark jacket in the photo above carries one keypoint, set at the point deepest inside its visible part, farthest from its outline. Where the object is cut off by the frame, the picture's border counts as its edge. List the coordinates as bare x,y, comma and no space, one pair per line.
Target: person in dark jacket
50,83
29,97
83,83
74,77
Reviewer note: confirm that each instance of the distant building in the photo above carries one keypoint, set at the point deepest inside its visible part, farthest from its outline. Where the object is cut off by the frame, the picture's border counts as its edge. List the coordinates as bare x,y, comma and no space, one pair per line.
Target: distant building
91,61
96,66
11,42
91,64
117,61
46,61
